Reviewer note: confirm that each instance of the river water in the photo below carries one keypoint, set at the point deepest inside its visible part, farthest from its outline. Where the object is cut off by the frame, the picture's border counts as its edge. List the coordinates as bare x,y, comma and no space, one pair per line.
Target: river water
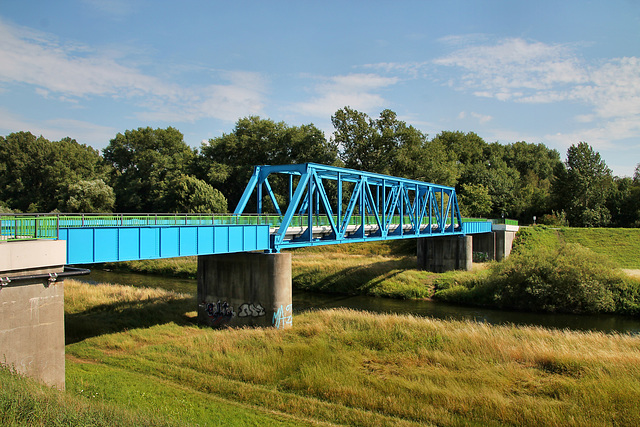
303,301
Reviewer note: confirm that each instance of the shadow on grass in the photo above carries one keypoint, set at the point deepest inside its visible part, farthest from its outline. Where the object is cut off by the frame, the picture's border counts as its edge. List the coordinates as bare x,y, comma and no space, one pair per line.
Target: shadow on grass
354,280
119,316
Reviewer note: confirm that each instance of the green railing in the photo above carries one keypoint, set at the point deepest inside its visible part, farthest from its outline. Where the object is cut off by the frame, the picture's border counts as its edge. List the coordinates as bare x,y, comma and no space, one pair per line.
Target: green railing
18,227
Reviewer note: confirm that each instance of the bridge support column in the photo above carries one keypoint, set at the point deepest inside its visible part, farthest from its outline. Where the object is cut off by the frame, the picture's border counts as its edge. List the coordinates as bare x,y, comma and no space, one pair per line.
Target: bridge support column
504,241
440,254
497,244
484,246
245,289
32,309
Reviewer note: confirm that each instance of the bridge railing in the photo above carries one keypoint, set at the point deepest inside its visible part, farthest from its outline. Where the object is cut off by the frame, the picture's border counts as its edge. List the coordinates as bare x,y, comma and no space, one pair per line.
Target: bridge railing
46,226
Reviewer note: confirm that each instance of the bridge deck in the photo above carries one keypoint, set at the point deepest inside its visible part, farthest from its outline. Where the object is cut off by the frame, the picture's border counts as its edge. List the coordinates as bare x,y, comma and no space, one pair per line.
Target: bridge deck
110,238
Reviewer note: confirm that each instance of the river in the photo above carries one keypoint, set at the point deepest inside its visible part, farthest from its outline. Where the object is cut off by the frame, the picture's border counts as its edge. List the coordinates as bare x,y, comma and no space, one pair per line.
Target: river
303,301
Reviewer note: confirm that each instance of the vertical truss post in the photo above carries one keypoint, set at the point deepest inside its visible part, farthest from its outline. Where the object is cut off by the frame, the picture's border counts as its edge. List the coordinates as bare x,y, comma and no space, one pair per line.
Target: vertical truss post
381,198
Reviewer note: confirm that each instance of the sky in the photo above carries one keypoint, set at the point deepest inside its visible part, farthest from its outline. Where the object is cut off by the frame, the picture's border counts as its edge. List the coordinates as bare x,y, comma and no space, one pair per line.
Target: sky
550,72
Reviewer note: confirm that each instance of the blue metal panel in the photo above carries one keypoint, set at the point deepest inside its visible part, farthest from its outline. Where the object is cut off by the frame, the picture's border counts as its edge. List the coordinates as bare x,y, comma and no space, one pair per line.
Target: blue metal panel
149,242
477,227
105,245
205,240
249,237
169,242
110,244
188,241
236,239
80,245
221,239
129,244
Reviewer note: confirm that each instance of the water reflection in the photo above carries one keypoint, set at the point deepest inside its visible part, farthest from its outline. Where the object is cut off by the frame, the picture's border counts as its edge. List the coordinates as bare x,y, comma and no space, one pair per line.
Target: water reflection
303,301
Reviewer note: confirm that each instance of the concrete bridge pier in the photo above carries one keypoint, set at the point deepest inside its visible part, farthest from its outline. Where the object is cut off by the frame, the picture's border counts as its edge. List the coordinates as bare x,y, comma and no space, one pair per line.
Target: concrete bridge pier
445,253
497,244
245,289
32,309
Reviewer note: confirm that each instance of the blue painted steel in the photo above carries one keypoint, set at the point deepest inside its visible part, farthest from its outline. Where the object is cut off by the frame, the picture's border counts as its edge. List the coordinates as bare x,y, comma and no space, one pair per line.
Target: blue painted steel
109,244
477,227
377,201
324,205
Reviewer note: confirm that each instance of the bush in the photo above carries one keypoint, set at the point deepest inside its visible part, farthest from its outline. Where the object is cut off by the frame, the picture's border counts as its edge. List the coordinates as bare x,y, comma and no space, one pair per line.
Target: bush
545,274
571,278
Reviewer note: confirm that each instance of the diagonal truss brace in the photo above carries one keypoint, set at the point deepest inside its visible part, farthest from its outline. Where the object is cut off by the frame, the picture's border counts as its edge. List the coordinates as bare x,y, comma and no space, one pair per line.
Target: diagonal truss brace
327,204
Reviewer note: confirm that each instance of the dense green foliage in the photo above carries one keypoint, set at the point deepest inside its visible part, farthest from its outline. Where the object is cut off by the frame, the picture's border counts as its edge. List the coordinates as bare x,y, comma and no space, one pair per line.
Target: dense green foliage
154,170
545,273
227,161
38,175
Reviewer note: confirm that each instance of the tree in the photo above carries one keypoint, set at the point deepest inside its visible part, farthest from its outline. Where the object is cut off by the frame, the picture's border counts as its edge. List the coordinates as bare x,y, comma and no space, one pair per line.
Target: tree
536,165
89,196
474,200
189,194
584,187
227,161
385,145
145,161
35,173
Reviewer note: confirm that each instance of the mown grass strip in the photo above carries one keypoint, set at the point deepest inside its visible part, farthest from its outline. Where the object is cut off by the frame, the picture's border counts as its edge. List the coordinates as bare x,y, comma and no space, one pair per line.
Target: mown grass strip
621,245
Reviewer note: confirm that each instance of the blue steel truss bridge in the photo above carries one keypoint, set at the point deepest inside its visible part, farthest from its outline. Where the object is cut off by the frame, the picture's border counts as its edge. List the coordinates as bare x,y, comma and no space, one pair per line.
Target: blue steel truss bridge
292,206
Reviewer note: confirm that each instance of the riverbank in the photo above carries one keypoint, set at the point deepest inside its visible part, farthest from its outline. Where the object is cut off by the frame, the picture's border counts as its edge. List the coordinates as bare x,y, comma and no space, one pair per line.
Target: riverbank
388,269
139,350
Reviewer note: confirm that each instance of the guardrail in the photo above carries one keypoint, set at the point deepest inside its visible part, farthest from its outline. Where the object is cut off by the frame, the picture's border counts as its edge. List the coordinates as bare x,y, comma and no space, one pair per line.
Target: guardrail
47,226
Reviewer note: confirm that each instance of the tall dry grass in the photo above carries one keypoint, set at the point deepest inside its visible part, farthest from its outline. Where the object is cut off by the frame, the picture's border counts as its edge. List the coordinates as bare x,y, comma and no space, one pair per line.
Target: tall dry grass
348,367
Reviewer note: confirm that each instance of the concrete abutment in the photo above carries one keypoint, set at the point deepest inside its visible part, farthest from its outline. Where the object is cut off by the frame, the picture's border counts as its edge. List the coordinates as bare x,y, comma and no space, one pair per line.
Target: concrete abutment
245,289
444,253
32,309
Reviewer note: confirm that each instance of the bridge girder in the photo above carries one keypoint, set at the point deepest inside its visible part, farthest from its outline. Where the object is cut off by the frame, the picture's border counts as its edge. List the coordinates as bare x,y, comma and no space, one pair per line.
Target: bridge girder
356,205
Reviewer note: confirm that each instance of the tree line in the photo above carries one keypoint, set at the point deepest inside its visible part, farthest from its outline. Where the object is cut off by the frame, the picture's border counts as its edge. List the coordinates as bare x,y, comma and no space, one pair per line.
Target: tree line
154,170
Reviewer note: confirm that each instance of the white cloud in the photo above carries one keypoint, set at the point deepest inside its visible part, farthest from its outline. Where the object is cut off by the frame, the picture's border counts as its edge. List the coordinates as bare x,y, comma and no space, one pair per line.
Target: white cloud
355,90
515,70
55,129
514,67
482,118
74,72
532,72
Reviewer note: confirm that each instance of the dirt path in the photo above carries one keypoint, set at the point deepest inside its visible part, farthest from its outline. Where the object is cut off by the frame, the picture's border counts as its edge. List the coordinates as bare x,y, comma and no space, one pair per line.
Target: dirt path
632,273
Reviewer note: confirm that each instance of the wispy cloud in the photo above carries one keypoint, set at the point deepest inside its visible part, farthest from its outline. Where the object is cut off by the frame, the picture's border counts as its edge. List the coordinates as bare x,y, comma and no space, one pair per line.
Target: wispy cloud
359,91
481,118
55,129
514,69
116,9
533,72
76,72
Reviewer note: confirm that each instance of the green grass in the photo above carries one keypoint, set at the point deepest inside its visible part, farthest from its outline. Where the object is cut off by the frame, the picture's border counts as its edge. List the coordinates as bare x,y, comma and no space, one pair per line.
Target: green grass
23,402
355,368
545,272
621,245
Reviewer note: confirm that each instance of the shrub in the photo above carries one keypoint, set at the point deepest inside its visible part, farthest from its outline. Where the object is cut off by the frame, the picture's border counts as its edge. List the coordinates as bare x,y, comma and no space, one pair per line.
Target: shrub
571,278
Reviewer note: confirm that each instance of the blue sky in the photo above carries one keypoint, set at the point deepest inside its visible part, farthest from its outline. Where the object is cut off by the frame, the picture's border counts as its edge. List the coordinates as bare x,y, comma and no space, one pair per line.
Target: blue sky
552,72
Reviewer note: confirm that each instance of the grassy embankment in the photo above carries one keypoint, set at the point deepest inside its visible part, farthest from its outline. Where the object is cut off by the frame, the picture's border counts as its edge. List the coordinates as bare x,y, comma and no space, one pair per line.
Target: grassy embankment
135,353
559,270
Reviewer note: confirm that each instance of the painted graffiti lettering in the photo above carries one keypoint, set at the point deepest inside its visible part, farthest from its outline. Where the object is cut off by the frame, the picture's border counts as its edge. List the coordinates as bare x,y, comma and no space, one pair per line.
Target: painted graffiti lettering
251,310
283,317
219,312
